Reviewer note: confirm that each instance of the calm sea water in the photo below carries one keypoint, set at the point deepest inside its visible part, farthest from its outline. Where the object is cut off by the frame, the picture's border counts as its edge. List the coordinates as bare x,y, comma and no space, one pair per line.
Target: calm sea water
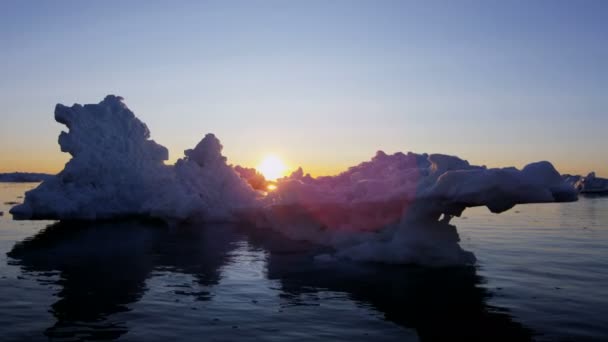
542,274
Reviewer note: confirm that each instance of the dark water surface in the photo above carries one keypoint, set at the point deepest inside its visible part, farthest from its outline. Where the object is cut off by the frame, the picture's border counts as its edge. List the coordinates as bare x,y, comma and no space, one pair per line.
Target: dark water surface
542,274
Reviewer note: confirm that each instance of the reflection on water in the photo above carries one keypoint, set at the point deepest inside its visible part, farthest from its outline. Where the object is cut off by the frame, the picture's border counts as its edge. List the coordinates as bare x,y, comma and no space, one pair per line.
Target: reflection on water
101,270
103,267
438,303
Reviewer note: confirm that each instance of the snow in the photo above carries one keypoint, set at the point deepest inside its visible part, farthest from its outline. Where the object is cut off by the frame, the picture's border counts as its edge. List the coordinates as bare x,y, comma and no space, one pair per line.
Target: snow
393,208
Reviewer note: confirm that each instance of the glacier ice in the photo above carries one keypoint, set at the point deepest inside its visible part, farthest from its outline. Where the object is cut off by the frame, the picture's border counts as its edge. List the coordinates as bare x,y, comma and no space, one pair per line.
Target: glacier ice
393,208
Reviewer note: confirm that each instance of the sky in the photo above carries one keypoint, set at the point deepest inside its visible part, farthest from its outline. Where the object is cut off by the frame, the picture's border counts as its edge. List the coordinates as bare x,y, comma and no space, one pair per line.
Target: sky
321,84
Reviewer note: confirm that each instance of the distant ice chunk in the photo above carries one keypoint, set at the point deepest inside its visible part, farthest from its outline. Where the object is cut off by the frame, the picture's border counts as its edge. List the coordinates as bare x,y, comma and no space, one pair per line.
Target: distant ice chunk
592,184
23,177
589,184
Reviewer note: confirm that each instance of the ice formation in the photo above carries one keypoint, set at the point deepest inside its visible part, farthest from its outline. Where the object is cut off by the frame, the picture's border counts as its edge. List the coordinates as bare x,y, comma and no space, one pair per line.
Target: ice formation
117,171
393,208
572,180
592,184
397,208
255,179
217,188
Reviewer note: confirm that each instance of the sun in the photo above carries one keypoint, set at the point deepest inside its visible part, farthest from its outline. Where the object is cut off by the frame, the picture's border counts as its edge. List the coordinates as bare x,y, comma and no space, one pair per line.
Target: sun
272,168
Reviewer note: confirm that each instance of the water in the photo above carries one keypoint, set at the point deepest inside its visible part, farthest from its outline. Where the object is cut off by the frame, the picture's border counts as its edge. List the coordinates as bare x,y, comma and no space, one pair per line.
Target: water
541,275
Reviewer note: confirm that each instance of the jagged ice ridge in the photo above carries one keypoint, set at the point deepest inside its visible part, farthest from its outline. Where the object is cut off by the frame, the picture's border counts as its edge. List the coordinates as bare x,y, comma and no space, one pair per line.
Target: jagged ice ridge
393,208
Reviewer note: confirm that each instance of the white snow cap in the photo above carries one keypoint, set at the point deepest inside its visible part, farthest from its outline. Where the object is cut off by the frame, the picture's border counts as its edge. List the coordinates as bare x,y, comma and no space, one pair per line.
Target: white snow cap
393,208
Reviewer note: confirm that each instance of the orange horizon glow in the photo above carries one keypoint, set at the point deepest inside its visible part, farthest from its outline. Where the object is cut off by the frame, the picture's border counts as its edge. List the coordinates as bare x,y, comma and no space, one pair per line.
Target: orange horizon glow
47,160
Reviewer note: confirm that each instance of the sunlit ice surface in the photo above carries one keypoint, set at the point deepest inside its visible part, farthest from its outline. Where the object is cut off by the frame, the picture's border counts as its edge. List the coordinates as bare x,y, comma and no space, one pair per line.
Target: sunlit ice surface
272,168
366,207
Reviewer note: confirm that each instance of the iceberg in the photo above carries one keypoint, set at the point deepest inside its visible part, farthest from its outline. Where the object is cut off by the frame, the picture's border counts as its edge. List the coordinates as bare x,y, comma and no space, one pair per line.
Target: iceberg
397,208
393,208
592,184
117,171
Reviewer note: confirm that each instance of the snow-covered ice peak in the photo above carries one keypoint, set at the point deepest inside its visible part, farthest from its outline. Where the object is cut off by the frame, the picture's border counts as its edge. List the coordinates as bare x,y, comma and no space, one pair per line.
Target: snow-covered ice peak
207,151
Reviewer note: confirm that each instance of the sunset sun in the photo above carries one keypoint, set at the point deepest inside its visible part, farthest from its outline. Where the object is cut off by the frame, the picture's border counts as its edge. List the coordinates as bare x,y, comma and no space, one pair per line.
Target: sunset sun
272,167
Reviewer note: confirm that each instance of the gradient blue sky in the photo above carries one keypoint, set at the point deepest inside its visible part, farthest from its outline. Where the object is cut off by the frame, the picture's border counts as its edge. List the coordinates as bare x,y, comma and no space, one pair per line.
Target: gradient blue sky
322,84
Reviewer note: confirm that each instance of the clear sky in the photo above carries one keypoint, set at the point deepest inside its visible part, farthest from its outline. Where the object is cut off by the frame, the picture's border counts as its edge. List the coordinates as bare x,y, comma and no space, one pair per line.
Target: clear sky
322,84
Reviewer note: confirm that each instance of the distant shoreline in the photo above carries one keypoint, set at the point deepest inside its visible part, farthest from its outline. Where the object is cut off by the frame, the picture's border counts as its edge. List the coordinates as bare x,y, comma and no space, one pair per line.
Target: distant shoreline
23,177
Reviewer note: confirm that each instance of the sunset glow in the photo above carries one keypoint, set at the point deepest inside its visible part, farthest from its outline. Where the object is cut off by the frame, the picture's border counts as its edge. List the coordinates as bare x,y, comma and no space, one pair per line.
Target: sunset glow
272,168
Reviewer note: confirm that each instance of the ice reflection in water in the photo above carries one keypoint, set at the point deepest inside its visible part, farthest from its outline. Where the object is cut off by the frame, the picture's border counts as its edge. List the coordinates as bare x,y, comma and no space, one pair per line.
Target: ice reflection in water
151,282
